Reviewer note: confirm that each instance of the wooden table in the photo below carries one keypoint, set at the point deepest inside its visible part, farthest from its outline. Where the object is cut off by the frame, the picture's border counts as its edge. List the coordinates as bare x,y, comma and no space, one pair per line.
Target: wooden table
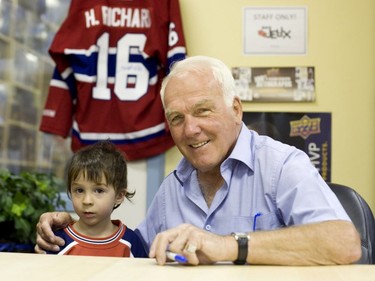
15,266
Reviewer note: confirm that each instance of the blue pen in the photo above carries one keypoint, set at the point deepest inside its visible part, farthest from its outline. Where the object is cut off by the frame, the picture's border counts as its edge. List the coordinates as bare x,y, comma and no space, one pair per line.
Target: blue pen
255,220
176,257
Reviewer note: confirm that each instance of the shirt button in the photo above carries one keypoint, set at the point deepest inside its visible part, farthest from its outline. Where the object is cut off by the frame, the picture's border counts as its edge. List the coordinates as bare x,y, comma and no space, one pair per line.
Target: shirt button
208,227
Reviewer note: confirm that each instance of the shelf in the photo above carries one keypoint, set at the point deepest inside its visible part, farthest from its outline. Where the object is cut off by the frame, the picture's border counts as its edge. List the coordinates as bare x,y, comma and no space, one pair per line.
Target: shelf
27,29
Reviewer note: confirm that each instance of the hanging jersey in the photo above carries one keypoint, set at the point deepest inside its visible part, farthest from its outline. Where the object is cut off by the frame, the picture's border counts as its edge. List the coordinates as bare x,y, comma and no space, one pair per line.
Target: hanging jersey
123,243
111,57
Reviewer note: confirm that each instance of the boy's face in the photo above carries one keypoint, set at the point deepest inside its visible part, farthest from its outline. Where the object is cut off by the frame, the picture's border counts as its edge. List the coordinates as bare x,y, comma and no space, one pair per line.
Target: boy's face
94,202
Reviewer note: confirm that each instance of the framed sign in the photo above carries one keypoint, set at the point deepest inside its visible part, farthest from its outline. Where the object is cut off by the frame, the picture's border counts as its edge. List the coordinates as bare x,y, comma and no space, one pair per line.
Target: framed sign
275,30
275,84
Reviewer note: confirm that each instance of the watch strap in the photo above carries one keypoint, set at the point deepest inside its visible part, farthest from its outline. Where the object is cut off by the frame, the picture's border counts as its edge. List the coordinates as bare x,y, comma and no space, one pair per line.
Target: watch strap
242,241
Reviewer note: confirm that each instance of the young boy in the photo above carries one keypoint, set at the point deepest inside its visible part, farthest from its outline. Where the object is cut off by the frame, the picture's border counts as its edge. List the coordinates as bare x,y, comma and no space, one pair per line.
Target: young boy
97,184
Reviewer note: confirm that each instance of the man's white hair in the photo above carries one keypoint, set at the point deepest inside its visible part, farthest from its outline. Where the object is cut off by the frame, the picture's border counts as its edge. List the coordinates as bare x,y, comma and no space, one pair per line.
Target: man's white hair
200,65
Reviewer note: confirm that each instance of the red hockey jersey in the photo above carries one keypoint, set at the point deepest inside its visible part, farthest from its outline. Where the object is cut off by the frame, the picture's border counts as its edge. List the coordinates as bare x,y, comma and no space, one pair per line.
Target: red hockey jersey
123,243
111,56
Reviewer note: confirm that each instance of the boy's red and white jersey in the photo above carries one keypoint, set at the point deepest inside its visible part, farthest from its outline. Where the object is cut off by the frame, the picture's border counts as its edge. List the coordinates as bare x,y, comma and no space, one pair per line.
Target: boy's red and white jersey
111,56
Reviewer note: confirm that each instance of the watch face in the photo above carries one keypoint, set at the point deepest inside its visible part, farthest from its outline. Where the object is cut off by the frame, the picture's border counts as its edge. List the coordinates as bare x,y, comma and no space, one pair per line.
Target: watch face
239,235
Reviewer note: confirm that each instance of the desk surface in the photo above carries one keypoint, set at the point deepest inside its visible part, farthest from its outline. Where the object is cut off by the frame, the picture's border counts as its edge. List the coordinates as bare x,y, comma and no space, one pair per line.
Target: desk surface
14,266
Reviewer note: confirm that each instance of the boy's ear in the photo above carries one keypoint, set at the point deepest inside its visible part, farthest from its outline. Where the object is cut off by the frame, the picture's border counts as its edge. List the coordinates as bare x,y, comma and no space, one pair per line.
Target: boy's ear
120,197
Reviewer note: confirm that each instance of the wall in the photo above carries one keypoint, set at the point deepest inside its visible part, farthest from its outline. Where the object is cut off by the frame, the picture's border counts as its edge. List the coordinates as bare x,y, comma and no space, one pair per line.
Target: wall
341,41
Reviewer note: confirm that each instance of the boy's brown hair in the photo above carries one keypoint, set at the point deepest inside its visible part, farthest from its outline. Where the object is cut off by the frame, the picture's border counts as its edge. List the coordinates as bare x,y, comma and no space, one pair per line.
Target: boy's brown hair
96,160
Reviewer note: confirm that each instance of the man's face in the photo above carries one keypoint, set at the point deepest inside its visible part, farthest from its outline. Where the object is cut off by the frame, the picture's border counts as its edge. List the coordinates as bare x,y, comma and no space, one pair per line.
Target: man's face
203,127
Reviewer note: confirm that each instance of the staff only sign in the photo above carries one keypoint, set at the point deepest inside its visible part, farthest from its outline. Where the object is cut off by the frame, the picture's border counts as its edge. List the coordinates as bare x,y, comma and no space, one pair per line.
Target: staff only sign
310,132
275,30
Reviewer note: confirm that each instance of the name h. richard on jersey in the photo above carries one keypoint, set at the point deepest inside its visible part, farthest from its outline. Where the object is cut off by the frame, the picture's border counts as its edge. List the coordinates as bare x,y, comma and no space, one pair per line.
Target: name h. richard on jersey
118,17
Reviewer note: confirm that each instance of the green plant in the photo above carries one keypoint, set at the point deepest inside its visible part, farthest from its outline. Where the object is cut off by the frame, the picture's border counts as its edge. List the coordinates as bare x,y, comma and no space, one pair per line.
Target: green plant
23,198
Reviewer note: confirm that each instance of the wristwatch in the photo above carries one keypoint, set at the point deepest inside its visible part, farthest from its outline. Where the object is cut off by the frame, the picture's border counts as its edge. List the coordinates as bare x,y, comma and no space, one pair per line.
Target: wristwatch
242,240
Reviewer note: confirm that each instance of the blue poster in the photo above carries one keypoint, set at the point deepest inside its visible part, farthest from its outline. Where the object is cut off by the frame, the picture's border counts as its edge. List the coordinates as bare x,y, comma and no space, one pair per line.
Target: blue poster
310,132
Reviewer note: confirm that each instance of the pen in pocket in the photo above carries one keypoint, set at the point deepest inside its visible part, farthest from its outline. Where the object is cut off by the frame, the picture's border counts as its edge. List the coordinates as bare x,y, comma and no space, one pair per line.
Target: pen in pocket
255,220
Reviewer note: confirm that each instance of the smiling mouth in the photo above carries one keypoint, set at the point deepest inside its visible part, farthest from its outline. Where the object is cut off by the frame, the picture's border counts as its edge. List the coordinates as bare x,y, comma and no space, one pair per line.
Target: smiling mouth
199,144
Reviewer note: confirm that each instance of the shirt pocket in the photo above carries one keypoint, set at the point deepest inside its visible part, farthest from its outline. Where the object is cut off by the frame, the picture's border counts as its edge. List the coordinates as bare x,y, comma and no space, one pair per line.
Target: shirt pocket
225,225
265,221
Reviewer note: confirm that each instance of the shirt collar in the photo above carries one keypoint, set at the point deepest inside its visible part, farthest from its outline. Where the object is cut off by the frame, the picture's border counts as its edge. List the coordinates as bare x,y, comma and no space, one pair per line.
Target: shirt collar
242,150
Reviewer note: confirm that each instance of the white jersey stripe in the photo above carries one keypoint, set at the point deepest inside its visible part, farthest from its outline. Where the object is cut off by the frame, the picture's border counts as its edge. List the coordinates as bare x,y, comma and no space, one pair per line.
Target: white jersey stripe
58,84
119,136
177,50
129,245
111,80
67,248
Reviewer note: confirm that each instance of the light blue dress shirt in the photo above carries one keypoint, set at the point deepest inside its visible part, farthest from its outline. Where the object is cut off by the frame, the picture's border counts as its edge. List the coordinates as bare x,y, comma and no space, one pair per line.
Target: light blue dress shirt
268,185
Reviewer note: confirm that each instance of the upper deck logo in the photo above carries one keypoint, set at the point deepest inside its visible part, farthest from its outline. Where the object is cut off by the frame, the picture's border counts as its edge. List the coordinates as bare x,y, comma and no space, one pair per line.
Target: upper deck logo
304,127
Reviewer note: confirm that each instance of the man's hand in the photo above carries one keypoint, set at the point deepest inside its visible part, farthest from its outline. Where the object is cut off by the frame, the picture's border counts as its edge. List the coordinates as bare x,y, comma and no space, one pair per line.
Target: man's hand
197,245
45,238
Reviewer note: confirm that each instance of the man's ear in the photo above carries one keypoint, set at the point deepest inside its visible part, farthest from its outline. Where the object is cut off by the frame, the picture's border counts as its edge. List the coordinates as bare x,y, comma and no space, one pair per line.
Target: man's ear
237,108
